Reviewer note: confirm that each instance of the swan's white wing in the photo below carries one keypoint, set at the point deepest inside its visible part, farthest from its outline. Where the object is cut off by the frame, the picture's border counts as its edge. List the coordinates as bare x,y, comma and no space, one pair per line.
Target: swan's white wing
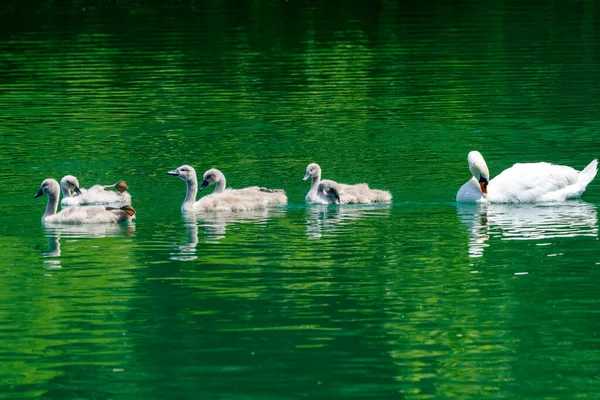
470,192
532,182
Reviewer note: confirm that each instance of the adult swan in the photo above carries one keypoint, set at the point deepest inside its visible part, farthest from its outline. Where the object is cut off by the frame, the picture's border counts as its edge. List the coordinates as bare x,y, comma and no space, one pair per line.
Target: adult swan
524,183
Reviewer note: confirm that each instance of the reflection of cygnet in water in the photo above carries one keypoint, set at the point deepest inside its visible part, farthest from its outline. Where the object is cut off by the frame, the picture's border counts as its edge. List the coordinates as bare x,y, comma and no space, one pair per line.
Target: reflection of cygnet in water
52,255
187,250
321,218
90,230
527,222
215,224
215,227
54,232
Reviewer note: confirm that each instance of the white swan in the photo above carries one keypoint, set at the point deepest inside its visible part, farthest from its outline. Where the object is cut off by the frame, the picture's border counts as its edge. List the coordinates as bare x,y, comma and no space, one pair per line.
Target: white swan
524,183
97,194
327,191
77,214
222,199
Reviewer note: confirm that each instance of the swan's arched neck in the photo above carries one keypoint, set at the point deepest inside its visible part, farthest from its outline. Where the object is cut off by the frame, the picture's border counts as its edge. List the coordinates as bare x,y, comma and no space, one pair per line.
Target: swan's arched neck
220,185
51,206
315,180
65,192
190,196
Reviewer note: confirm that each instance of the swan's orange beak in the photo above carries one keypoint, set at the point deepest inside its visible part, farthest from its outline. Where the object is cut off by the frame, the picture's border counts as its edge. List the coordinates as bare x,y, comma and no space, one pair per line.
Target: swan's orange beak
483,182
483,186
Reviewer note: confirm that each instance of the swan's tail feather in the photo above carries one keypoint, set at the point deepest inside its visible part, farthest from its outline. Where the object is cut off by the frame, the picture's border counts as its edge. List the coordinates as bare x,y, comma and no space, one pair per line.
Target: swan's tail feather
589,173
381,196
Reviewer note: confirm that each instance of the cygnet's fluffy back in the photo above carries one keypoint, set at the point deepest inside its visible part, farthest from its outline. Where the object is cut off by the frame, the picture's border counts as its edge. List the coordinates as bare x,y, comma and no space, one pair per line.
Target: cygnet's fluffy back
97,194
222,199
332,192
251,198
327,191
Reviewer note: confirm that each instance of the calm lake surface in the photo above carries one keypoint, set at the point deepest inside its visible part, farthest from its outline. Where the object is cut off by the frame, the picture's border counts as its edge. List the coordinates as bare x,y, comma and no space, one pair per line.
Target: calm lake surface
421,299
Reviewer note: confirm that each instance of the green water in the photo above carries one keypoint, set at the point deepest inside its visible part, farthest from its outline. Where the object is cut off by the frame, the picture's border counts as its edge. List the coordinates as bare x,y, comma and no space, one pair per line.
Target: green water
420,299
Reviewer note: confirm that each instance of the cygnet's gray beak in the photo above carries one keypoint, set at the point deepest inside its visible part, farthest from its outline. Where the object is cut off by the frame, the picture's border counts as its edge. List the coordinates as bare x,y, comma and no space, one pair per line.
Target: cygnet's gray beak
38,194
77,190
306,176
204,184
174,173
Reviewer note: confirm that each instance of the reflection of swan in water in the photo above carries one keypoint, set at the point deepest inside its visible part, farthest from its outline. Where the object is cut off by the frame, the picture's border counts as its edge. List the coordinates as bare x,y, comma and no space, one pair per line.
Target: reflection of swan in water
527,222
322,218
215,224
54,232
187,250
215,227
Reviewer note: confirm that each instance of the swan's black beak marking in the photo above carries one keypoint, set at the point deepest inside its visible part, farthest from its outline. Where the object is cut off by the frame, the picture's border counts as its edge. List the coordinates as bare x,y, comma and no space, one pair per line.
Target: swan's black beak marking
77,190
204,184
38,194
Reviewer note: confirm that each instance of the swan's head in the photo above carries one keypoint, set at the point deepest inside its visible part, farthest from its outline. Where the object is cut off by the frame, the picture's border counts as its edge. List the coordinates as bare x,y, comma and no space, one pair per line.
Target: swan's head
49,187
211,176
185,172
312,171
479,169
329,191
68,183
